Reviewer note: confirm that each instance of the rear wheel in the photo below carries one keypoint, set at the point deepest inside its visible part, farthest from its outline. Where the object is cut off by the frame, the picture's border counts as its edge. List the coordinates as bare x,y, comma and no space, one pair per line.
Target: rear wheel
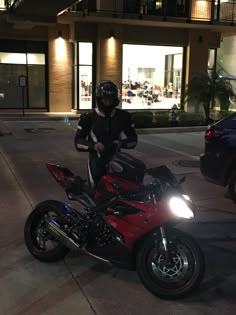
39,241
175,278
232,186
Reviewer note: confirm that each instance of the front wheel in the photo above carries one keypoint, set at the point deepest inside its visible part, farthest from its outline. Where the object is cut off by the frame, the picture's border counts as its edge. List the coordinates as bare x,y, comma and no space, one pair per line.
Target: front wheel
38,240
175,277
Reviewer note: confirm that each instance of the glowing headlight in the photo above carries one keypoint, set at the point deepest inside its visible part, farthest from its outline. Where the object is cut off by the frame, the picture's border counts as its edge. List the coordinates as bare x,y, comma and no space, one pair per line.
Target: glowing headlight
179,207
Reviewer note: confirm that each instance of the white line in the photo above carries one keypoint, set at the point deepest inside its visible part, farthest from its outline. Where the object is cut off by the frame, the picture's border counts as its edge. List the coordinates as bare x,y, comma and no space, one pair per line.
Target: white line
171,150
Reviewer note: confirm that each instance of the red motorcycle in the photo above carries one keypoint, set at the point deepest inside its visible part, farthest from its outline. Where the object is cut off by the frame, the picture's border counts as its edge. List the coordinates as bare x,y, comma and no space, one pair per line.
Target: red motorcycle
123,222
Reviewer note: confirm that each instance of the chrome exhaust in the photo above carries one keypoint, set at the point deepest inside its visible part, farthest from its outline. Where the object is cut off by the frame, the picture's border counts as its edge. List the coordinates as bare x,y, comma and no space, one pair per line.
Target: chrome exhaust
56,231
60,235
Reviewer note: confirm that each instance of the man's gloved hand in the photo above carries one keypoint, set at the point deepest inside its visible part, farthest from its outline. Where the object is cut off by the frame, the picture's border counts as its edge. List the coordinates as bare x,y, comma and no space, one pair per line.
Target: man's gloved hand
98,147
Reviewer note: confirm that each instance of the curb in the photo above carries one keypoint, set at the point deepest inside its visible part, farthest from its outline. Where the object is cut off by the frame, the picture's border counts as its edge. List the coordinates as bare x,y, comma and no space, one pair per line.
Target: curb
37,118
140,131
171,130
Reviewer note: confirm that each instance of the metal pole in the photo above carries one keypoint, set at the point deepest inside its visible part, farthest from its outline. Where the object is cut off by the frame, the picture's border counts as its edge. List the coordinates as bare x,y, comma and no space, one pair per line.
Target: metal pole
23,101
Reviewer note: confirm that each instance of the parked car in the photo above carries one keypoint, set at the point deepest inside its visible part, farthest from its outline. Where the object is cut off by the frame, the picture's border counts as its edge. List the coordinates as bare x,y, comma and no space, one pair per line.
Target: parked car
218,162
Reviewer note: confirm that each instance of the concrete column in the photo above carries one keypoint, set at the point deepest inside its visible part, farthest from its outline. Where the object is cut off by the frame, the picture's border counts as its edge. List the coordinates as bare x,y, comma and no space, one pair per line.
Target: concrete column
60,69
109,53
197,56
197,53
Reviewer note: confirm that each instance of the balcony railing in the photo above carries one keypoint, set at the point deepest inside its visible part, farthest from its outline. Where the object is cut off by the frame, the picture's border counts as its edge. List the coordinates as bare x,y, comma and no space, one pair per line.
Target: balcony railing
192,10
212,11
4,4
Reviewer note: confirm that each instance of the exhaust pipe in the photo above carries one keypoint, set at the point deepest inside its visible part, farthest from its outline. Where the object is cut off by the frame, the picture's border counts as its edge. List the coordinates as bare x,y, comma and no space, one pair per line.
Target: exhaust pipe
60,235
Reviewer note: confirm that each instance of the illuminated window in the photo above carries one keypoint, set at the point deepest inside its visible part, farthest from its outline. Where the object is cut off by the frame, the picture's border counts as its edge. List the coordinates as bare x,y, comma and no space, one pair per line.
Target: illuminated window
201,10
83,81
154,80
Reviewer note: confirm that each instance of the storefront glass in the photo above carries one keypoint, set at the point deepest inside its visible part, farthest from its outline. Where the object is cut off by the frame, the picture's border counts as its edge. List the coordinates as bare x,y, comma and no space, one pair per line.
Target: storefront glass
85,75
154,80
13,65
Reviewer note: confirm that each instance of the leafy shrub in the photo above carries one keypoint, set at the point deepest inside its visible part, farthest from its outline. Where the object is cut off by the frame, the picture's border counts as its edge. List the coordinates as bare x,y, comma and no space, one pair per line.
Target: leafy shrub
191,119
161,118
143,119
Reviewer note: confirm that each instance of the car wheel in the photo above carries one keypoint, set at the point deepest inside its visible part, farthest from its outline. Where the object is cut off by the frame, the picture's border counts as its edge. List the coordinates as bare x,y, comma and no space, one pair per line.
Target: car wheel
232,186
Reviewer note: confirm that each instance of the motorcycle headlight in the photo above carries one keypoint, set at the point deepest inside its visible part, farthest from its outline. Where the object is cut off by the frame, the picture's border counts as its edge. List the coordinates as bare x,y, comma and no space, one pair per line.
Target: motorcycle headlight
179,207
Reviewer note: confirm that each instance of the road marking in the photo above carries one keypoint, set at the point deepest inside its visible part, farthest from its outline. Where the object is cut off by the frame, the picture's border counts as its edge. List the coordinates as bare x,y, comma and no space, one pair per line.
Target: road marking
194,157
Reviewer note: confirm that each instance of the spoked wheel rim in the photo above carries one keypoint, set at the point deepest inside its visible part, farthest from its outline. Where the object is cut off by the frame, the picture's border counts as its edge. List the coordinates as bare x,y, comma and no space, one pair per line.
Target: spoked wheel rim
42,240
171,273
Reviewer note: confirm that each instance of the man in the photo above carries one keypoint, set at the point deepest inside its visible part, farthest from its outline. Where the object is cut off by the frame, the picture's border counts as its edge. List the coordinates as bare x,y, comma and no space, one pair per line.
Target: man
104,130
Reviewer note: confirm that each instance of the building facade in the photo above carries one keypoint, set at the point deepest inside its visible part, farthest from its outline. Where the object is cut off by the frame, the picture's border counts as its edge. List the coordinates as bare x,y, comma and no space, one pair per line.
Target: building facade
150,49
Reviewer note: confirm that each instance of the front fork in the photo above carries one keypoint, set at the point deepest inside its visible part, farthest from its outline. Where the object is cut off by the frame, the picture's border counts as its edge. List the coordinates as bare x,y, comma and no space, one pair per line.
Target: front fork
166,245
164,239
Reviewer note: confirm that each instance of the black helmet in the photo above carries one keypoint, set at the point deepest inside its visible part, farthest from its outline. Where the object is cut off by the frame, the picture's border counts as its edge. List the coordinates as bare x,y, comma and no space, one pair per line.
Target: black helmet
107,96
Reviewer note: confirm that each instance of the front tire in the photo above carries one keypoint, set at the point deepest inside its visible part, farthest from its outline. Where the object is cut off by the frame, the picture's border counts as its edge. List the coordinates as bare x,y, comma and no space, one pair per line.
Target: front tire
176,279
38,240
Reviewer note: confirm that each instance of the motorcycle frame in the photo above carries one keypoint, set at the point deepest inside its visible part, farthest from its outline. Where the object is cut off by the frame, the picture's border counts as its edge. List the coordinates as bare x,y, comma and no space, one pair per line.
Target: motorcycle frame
129,229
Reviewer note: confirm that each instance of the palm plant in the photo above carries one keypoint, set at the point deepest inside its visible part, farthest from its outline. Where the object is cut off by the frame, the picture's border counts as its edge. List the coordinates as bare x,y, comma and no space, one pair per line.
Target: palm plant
204,91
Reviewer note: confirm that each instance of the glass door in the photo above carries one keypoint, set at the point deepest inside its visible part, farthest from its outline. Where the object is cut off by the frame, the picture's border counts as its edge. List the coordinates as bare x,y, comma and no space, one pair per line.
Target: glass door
14,65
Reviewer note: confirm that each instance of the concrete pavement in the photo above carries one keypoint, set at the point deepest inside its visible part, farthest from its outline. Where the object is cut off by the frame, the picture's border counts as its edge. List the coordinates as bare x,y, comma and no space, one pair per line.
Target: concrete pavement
80,285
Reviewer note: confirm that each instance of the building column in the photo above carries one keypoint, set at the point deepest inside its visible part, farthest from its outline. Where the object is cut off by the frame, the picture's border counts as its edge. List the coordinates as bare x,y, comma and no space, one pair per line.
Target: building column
196,57
60,69
109,53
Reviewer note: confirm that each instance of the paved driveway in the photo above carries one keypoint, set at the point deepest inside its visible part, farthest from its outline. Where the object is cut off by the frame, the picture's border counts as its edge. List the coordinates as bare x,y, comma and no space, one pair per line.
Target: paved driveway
81,285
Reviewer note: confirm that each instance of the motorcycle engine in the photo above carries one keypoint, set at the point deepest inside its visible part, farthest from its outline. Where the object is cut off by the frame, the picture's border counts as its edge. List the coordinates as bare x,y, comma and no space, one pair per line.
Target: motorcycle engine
101,233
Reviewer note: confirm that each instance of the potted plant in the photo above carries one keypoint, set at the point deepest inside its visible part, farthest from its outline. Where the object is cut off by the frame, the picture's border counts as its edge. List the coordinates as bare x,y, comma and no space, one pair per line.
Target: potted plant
204,90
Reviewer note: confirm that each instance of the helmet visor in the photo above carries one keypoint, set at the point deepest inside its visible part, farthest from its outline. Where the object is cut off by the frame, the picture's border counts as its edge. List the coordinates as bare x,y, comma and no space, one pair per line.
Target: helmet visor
107,100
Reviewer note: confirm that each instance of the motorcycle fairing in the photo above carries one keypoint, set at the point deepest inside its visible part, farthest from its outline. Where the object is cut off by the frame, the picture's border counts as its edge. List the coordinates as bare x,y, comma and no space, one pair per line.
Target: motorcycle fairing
134,226
115,251
124,184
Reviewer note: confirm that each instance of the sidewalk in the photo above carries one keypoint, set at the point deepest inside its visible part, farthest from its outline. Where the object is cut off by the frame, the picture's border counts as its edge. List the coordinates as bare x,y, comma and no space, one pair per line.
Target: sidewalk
17,115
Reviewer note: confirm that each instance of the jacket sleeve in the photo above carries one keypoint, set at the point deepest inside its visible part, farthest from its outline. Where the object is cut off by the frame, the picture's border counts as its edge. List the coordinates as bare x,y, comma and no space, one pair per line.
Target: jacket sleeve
82,139
128,136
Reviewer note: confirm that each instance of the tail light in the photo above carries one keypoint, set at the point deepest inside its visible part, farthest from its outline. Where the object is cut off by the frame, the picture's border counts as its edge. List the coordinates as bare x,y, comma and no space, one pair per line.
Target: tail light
211,134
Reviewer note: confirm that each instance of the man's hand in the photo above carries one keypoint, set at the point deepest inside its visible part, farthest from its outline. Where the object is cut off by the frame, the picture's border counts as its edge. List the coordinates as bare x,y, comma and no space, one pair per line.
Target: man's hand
98,147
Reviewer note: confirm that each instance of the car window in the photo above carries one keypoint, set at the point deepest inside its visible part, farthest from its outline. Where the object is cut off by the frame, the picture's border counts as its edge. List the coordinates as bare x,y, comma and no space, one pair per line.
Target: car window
227,123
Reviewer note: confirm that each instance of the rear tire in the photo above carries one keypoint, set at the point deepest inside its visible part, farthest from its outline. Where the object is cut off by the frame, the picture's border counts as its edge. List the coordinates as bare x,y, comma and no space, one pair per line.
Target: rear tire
175,280
36,235
232,186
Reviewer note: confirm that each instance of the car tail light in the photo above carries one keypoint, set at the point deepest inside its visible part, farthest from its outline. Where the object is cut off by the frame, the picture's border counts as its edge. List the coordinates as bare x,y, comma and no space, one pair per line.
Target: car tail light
213,133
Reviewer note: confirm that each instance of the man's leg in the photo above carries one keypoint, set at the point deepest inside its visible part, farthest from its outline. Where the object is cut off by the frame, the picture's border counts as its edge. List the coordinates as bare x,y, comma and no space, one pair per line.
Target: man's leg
96,169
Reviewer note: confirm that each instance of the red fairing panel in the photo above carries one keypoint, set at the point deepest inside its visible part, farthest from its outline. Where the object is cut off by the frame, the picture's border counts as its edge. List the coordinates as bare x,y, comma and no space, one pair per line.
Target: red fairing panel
130,232
126,184
133,226
151,214
59,176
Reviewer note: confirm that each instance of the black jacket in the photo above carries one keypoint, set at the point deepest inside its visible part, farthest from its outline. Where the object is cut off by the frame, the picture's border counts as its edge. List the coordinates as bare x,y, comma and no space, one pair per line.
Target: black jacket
94,126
